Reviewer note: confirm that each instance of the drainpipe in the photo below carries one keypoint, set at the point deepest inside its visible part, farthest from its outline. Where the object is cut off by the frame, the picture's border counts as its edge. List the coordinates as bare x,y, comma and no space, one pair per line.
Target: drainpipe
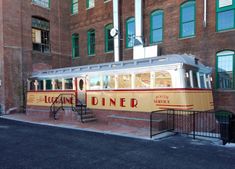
138,49
138,23
205,14
116,27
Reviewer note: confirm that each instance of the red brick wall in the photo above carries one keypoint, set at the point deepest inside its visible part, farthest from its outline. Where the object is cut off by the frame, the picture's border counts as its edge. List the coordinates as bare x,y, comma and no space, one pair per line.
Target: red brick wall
1,59
204,45
19,59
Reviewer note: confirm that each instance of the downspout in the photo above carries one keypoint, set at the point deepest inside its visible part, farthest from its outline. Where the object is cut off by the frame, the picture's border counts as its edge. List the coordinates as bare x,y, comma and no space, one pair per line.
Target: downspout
116,27
138,49
205,14
138,23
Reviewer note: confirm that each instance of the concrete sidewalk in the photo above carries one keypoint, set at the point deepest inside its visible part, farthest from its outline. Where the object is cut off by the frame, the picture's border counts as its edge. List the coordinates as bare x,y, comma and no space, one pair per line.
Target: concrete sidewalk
96,126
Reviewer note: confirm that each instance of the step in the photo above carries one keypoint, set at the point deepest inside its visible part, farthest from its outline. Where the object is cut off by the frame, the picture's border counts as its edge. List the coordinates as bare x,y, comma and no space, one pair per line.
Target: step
89,120
88,115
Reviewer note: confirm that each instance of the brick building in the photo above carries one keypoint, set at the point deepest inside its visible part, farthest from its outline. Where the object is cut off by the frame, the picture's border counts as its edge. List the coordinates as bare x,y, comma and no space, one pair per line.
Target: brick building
44,34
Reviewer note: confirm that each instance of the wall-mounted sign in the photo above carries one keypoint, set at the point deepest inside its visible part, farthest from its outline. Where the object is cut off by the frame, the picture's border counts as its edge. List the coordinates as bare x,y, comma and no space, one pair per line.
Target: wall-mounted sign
224,3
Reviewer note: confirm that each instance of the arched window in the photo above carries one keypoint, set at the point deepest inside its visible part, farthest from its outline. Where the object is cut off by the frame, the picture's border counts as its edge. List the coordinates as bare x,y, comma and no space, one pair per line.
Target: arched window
156,26
75,45
225,14
74,7
108,38
91,42
225,66
130,32
187,19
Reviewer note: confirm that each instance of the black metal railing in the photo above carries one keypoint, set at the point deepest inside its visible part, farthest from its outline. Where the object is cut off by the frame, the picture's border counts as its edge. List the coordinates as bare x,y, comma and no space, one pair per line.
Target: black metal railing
60,103
81,109
68,100
161,121
213,124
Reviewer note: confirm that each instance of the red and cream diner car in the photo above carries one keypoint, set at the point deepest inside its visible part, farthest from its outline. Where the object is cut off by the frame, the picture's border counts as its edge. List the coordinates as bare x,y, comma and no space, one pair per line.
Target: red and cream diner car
127,89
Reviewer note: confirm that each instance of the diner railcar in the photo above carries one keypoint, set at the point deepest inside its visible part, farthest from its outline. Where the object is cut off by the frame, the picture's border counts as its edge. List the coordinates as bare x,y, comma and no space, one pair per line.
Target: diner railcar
143,85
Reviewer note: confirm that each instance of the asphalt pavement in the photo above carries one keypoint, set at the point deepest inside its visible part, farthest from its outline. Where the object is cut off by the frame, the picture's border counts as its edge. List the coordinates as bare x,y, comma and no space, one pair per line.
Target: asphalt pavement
30,146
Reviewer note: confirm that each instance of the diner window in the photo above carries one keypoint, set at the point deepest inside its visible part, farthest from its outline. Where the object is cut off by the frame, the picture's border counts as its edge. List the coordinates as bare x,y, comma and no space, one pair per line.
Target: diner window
75,46
109,82
91,42
32,85
95,82
68,83
74,7
225,14
130,32
42,3
163,79
58,84
195,80
109,44
48,85
156,26
142,80
90,4
40,84
124,81
40,35
202,81
187,19
225,70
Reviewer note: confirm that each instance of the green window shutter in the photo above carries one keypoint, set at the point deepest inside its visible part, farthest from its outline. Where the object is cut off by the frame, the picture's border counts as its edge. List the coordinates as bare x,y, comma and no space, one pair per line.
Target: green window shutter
75,45
91,42
188,19
225,70
130,32
90,3
225,15
109,40
42,3
74,6
156,26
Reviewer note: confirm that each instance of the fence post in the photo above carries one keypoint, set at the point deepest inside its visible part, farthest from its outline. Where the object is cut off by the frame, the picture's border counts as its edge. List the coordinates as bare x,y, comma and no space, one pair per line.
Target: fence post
173,119
194,125
151,125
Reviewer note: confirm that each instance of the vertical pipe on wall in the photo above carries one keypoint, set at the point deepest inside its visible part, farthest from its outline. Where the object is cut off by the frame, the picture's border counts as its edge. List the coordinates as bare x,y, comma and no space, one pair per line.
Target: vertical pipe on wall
205,14
116,26
138,22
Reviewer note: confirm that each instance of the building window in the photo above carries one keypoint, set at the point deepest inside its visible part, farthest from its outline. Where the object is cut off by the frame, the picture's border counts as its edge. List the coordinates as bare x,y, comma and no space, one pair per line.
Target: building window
156,28
90,4
91,42
108,38
187,19
75,45
225,69
225,14
42,3
130,32
40,35
74,7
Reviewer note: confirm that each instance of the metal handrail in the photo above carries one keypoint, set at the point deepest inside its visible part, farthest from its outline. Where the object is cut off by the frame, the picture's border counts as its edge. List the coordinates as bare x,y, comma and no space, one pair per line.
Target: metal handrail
61,104
208,123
